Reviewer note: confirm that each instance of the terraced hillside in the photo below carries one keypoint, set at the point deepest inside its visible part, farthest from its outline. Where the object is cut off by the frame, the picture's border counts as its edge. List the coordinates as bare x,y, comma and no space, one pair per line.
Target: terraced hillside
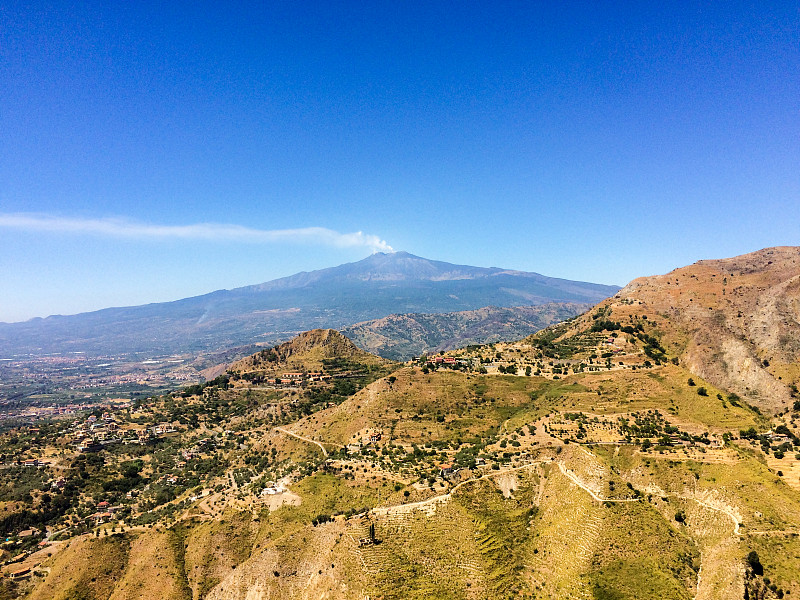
588,461
734,322
481,486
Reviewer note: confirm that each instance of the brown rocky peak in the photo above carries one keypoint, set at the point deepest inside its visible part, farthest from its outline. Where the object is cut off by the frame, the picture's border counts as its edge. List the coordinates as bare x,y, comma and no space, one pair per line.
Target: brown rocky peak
734,321
330,342
305,352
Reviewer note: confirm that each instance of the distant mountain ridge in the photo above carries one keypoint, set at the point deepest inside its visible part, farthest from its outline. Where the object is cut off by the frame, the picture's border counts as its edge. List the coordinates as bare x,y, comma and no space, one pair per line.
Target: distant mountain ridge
402,337
336,297
397,266
402,266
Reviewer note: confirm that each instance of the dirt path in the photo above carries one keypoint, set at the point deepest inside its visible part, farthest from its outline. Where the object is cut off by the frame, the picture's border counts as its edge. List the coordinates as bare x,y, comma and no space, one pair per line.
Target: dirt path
574,479
305,439
432,501
725,511
502,430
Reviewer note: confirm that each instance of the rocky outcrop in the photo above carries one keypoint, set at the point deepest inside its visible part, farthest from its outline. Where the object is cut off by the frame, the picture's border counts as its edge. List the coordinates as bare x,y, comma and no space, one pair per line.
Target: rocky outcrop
735,321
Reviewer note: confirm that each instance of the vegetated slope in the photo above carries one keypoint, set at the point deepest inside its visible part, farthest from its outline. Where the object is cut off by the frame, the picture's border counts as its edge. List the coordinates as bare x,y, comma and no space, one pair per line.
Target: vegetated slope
526,523
442,481
734,321
401,337
309,351
337,297
590,460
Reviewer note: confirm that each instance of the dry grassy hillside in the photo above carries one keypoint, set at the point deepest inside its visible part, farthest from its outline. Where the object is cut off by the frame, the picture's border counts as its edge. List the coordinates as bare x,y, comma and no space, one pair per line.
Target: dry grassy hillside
620,455
306,352
735,321
599,484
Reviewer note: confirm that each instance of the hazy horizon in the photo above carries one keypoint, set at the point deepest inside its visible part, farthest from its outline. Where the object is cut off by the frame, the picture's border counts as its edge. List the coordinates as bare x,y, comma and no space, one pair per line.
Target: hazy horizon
152,153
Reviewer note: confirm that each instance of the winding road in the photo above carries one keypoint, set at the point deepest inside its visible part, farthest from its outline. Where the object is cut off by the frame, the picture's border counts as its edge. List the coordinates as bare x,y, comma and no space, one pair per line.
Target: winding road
398,508
574,479
305,439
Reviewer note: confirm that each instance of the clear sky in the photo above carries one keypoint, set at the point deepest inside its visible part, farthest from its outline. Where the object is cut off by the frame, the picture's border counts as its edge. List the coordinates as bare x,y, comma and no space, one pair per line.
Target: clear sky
153,151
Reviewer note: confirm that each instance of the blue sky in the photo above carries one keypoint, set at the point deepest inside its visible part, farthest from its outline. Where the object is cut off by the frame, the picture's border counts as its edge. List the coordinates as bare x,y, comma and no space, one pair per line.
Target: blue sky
159,150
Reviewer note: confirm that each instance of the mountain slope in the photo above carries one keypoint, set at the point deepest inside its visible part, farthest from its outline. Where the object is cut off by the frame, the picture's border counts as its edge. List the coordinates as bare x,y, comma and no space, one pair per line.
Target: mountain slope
739,319
306,352
735,321
590,460
372,288
403,336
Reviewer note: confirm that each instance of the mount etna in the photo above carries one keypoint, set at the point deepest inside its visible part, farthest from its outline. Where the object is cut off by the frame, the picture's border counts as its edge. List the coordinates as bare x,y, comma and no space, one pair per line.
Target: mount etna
337,297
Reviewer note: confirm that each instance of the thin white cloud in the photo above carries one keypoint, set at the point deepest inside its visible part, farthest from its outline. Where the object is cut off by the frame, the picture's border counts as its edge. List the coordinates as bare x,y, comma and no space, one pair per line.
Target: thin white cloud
200,231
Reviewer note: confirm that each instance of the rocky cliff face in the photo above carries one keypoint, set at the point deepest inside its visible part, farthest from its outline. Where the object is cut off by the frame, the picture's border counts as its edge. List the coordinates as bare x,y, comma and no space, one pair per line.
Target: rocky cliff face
733,321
